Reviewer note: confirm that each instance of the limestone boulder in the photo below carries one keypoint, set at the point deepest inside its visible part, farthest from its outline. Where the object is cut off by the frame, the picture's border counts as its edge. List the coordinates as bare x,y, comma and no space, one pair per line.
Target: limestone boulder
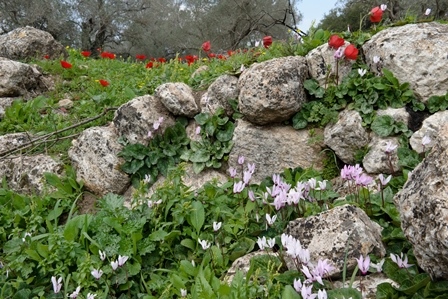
11,141
346,136
330,234
19,79
28,42
430,128
423,207
272,91
94,155
274,148
219,93
178,98
4,104
26,174
136,118
324,68
414,53
377,160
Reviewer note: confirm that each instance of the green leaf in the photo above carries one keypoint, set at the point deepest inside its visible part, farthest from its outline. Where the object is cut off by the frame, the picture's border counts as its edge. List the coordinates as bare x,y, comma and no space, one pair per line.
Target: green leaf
188,268
290,293
344,293
33,255
177,281
189,243
390,77
202,118
383,125
226,133
200,156
198,167
197,216
386,291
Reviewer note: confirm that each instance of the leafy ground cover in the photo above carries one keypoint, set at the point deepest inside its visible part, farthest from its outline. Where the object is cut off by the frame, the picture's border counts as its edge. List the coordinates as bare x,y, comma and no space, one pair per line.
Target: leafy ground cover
178,242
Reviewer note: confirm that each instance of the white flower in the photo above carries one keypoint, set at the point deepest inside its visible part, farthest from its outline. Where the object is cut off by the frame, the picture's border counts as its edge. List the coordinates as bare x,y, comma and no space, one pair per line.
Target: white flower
379,266
75,293
271,242
198,130
271,220
122,260
390,147
97,273
91,296
362,72
257,43
183,292
384,181
114,265
147,179
383,7
242,68
428,12
102,255
205,245
25,235
262,243
57,285
322,294
376,59
216,225
426,140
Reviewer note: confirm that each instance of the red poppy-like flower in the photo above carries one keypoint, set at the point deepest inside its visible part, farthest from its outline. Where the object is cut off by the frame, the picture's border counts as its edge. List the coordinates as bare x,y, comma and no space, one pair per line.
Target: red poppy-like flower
161,60
47,56
65,64
222,57
104,83
140,57
267,41
336,41
206,46
211,55
230,52
376,14
107,55
351,52
86,53
191,59
149,65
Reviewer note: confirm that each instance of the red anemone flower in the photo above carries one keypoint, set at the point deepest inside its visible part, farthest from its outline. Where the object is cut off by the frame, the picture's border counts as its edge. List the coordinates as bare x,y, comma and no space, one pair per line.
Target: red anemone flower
335,41
149,65
107,55
376,14
47,56
267,41
161,60
140,56
206,46
65,64
104,83
86,53
351,52
211,55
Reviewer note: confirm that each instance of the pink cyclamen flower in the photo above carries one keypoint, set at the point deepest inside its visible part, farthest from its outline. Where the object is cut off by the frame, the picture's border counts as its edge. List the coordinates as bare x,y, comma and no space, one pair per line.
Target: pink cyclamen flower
322,294
338,53
75,293
426,140
251,167
57,284
384,181
232,172
363,264
198,130
390,147
238,187
241,160
122,260
114,265
97,273
297,285
400,261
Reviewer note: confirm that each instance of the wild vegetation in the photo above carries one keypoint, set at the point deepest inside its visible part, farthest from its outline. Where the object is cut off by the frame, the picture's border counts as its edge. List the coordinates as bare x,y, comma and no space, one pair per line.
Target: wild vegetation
178,242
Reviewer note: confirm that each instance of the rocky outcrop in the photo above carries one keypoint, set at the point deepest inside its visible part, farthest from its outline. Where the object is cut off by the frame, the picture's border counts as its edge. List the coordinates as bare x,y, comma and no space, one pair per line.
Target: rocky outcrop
178,99
219,94
28,42
335,233
274,148
430,128
137,117
415,53
423,206
27,173
272,91
19,79
346,136
94,156
323,66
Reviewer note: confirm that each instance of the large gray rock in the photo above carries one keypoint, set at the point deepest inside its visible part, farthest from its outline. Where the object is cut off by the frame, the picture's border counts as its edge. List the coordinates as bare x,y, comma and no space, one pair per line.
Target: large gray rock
25,174
324,68
28,42
273,148
94,157
332,234
414,53
346,136
272,91
136,118
377,160
19,79
178,99
423,207
11,141
430,128
220,92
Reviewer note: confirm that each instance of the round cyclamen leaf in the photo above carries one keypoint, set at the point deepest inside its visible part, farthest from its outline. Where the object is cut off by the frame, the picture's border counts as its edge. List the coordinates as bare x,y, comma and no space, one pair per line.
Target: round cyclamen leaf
202,118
